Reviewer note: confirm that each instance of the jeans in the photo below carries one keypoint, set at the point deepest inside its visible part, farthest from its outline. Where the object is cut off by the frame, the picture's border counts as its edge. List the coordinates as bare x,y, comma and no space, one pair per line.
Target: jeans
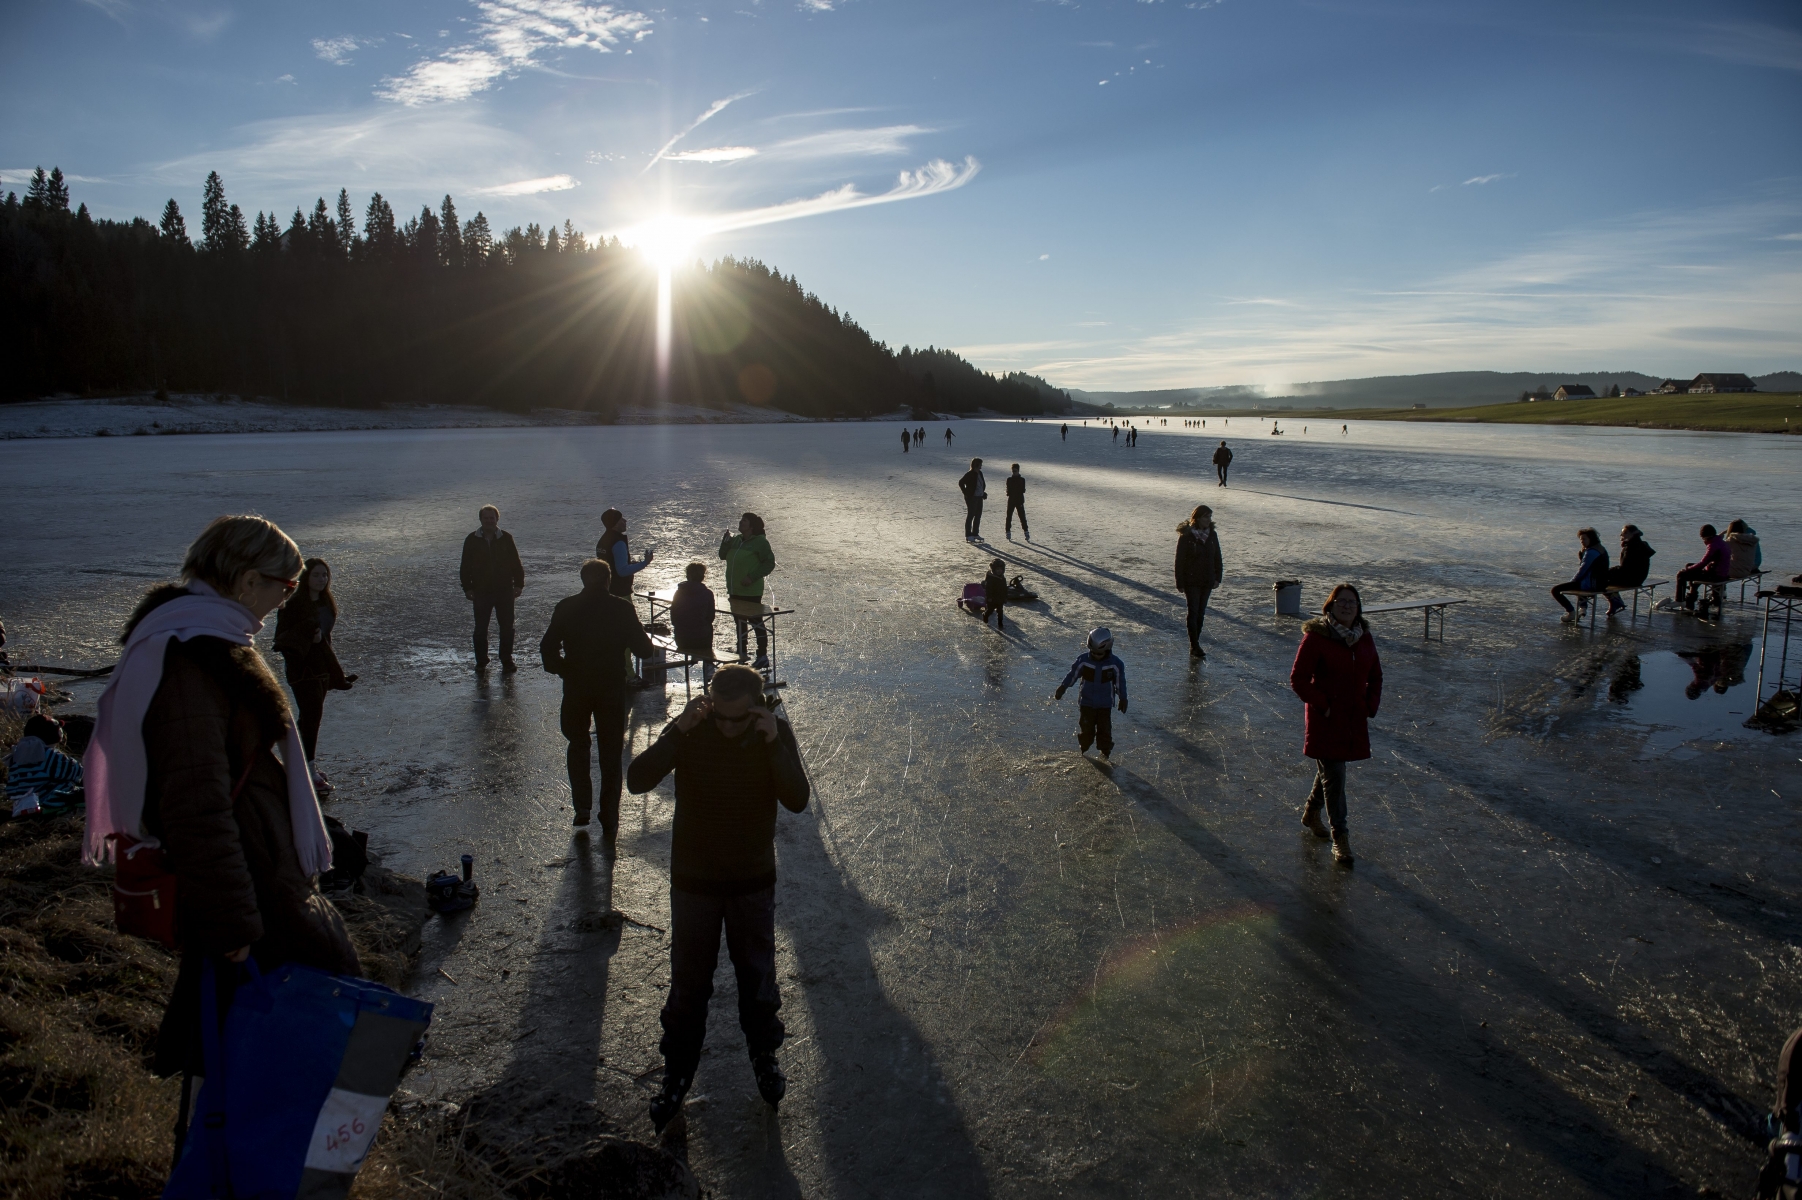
309,701
1017,506
746,624
1329,788
1572,586
1198,611
972,518
608,716
1220,469
1096,725
501,605
1690,582
695,921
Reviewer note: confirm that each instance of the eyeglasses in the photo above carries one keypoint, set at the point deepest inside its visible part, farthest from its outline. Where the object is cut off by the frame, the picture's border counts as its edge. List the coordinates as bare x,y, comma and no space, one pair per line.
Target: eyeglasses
288,585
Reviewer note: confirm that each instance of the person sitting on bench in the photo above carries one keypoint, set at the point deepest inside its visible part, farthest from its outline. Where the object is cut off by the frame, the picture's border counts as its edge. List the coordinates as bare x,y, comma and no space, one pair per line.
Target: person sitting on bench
691,613
1742,543
1591,576
1636,564
1716,563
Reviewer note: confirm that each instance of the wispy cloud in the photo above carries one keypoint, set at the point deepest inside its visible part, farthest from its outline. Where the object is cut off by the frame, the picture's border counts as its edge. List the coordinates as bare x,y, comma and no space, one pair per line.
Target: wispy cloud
338,50
1479,180
510,36
713,110
1752,43
817,5
10,175
1788,237
847,143
713,154
116,9
528,187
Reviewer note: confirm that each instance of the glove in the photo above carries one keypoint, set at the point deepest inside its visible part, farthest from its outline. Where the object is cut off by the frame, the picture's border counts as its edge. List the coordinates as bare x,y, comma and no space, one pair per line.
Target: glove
1123,704
1059,694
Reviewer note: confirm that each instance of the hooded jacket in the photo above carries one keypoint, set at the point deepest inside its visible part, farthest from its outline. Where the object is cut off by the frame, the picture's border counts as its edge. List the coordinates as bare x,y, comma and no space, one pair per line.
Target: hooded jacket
1102,679
1717,560
748,559
1342,686
1743,547
1635,565
1198,563
1592,570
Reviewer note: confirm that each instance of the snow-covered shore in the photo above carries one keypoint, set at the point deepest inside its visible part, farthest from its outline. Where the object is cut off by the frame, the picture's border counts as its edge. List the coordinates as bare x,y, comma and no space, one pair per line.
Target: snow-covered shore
186,413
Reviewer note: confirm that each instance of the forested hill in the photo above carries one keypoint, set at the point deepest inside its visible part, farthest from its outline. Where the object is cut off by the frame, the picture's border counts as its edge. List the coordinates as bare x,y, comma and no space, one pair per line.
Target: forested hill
435,310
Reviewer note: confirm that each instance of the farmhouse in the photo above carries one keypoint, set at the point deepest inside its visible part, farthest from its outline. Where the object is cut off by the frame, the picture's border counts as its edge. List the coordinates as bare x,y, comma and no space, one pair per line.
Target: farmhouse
1707,384
1673,387
1573,391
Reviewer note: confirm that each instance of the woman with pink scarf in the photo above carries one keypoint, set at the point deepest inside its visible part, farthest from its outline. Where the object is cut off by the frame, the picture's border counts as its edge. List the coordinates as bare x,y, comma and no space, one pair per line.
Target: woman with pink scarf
194,749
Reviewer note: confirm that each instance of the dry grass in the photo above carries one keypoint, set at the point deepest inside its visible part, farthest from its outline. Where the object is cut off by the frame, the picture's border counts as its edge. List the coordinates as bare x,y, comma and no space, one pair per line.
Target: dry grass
423,1153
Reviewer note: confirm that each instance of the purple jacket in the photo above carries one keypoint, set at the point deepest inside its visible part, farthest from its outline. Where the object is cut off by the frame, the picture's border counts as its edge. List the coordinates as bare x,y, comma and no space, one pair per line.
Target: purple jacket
1717,560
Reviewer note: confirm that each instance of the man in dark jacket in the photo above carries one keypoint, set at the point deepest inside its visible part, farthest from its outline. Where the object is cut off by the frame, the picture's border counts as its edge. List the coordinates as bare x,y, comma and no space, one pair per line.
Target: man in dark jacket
493,579
1635,565
1199,569
1223,458
975,490
734,762
586,644
1016,502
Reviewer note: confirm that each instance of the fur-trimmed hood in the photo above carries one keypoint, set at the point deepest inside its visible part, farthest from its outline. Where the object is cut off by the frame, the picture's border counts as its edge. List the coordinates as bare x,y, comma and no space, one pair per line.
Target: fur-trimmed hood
240,670
1324,627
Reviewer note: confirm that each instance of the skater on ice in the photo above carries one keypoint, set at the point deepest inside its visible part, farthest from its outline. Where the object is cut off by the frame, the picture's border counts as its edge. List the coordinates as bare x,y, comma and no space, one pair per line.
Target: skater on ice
1103,687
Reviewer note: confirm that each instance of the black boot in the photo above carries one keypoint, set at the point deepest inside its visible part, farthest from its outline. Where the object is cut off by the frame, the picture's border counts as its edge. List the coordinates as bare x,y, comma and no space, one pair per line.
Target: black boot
669,1101
772,1084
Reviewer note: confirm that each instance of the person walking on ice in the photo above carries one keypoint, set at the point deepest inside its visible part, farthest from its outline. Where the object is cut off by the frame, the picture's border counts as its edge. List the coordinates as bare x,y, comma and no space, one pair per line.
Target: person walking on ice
948,436
1223,458
907,438
1338,676
1103,686
975,489
1016,502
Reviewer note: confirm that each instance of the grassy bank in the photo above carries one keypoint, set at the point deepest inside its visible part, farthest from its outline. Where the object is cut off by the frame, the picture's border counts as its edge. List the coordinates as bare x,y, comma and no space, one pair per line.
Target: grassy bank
1741,413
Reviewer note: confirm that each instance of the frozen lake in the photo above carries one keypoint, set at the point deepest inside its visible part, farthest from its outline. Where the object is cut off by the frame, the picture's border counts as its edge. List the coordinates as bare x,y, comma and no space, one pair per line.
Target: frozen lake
1563,965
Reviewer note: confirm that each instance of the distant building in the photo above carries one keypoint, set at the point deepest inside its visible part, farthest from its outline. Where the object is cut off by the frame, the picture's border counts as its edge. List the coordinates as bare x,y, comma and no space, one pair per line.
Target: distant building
1708,384
1673,387
1631,392
1573,391
1420,406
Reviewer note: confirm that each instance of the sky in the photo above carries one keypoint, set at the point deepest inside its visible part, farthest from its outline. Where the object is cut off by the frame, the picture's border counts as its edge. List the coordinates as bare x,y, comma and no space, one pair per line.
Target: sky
1112,194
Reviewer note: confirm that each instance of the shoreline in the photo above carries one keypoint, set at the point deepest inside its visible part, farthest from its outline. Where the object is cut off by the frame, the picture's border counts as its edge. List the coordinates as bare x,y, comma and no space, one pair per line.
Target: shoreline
1755,412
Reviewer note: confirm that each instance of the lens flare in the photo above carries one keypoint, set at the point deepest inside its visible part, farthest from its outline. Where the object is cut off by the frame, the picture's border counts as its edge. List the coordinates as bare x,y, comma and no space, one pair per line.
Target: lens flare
665,241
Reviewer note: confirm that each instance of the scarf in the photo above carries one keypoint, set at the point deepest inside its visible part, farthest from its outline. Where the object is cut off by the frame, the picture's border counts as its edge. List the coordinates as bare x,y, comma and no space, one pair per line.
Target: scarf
115,765
1350,635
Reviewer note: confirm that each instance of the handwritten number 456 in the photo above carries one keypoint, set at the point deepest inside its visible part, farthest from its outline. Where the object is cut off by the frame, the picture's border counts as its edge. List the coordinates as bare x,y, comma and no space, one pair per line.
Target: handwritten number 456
344,1133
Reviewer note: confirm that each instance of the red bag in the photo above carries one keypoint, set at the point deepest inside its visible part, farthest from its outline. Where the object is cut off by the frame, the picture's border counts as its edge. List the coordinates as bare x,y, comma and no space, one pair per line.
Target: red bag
144,887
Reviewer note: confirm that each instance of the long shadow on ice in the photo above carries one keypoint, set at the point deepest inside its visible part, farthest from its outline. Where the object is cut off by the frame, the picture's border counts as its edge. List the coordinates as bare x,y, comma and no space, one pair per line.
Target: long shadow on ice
888,1125
1349,974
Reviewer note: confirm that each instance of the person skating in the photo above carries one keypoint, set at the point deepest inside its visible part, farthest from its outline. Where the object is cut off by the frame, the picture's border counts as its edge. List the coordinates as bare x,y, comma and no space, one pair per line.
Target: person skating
1338,676
1064,431
748,559
303,636
492,579
994,593
947,437
1016,502
590,636
734,761
1103,686
1223,458
1199,569
907,438
691,613
1591,576
975,490
615,549
1635,565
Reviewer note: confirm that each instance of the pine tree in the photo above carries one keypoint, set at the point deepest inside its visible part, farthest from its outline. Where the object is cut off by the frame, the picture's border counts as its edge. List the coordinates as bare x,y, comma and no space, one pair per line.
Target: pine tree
379,234
268,237
172,225
574,242
299,241
215,214
451,247
323,231
426,246
58,192
238,237
552,243
37,192
347,228
478,240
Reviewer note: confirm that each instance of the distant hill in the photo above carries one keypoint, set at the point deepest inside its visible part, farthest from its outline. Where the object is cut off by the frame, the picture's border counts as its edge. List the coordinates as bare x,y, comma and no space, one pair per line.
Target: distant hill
1444,389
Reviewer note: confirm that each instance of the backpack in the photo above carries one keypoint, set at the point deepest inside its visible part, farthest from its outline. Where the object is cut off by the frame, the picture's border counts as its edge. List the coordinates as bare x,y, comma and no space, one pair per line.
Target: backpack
1781,1178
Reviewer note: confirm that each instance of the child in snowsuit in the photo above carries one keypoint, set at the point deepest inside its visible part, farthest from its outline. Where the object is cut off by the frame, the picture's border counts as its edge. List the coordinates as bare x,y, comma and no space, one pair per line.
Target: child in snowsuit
994,593
39,777
1103,678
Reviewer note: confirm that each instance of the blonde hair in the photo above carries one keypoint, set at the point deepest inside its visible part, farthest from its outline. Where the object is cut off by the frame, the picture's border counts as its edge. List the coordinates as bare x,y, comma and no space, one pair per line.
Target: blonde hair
231,546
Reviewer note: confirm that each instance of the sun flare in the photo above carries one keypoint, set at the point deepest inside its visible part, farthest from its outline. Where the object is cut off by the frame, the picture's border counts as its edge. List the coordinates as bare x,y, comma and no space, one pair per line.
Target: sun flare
665,241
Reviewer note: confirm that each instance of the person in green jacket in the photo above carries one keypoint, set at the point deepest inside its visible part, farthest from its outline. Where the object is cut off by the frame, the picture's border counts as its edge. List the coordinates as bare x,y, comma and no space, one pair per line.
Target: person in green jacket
748,559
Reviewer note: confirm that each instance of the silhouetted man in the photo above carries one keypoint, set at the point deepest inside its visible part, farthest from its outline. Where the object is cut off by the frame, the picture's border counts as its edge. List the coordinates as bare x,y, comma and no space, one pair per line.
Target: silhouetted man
492,579
1016,503
734,761
1064,431
975,491
587,644
1223,458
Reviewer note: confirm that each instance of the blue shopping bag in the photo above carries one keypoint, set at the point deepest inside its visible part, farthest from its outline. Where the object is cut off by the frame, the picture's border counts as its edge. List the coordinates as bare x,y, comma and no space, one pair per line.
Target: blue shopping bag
296,1084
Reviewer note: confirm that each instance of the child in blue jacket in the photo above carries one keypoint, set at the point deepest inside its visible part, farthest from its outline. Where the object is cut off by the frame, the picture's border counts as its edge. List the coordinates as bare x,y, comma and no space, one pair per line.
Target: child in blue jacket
1103,678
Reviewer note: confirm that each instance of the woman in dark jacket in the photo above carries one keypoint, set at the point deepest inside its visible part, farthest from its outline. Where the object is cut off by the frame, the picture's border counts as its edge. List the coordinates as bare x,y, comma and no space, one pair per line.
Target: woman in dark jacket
1591,576
303,635
1199,569
240,831
1338,675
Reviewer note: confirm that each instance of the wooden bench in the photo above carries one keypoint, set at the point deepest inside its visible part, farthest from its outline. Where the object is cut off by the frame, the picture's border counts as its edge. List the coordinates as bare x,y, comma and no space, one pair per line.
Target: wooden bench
1436,604
1592,599
762,613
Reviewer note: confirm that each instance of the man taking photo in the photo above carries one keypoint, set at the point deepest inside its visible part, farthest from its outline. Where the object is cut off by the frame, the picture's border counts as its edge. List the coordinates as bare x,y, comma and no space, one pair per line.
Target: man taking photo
734,762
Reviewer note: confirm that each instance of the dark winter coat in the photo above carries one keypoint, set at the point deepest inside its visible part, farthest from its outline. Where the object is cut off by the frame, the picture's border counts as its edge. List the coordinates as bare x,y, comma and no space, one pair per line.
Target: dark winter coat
691,613
1198,563
994,589
1342,687
587,642
723,842
1636,564
491,568
218,713
973,486
1016,488
1222,456
306,660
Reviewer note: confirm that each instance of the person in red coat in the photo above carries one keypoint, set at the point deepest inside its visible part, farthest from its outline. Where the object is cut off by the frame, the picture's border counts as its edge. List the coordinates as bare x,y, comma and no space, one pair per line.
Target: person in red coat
1337,674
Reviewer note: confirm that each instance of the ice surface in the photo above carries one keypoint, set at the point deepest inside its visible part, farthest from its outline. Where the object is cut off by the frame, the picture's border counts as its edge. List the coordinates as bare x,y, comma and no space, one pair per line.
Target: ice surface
1563,964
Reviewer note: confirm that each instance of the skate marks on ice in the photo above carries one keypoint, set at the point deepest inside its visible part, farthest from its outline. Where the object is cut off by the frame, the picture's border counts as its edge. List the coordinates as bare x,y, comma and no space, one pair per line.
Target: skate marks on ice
1400,1028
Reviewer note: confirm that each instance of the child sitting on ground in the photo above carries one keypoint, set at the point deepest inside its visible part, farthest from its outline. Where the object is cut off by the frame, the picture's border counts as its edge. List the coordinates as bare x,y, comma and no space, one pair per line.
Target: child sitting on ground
994,592
1103,678
38,775
691,614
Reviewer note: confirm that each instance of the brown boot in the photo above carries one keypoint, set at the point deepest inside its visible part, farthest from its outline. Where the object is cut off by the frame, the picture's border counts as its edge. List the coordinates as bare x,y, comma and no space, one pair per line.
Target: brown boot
1342,848
1310,816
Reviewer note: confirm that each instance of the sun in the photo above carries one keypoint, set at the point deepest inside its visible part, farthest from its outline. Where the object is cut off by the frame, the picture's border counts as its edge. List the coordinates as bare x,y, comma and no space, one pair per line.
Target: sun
665,241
